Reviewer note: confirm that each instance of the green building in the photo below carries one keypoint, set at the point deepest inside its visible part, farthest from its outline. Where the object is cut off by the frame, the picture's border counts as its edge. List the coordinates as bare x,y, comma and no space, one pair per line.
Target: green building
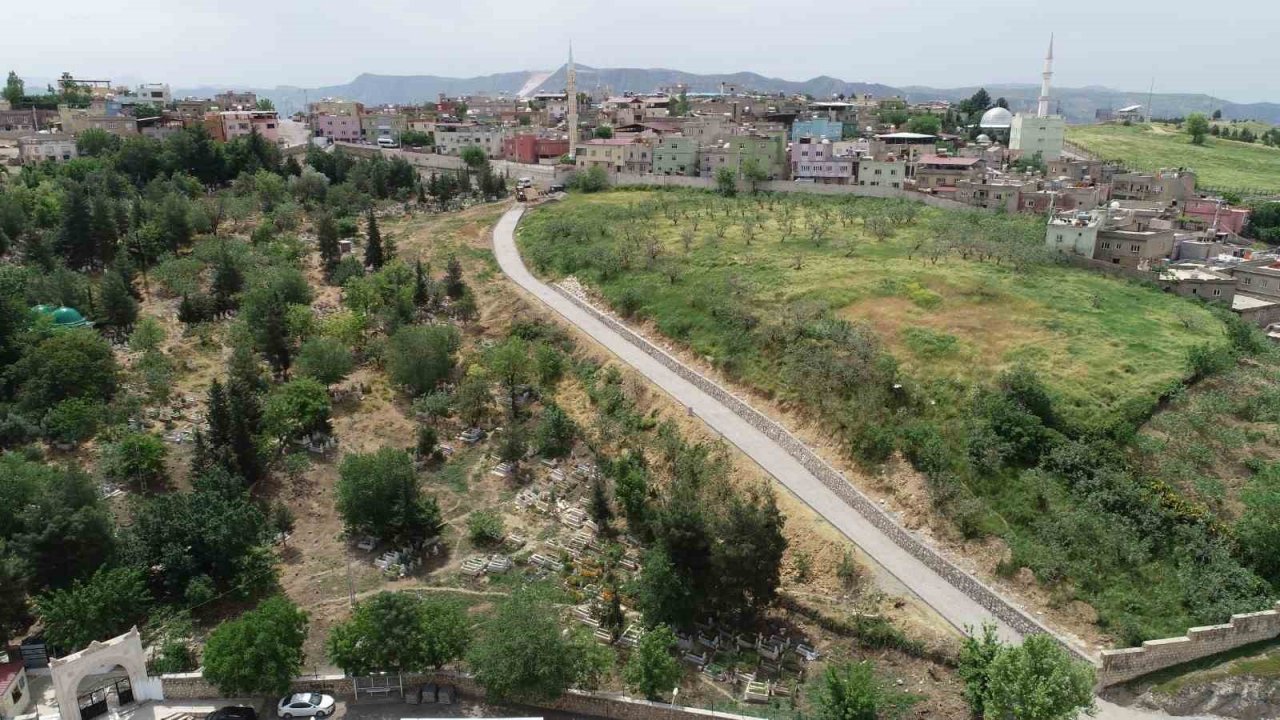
676,155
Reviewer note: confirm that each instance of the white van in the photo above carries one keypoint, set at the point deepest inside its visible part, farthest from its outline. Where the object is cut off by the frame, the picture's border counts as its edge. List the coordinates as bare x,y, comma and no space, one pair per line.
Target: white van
386,142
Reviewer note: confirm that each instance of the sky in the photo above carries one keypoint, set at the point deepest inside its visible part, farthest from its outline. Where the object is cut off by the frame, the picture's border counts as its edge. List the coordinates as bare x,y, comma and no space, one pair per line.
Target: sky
1121,44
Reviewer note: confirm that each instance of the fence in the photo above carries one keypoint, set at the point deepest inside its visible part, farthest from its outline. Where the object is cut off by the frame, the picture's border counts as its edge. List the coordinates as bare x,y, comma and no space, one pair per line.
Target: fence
1122,665
836,483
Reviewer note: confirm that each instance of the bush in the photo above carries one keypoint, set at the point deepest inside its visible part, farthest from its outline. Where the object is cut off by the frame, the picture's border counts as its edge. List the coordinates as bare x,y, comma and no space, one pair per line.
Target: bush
593,179
629,302
378,494
420,357
325,360
929,343
485,527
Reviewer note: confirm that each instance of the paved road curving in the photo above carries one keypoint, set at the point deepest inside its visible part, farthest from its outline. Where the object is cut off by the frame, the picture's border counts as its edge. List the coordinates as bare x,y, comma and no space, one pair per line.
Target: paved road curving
951,603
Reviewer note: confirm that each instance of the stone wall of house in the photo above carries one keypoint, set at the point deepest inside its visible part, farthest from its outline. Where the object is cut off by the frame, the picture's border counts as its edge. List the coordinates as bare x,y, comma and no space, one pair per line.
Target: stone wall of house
1122,665
193,686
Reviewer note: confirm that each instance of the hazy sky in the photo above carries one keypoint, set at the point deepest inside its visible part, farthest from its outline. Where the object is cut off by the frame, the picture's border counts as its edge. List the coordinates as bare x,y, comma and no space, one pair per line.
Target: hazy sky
1229,51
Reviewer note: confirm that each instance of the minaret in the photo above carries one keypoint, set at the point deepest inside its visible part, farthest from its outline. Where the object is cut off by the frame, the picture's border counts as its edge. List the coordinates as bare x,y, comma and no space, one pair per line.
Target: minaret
1043,109
571,90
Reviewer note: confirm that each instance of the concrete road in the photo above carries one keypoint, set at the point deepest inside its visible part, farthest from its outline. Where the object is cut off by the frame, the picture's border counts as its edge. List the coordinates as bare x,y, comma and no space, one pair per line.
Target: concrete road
949,602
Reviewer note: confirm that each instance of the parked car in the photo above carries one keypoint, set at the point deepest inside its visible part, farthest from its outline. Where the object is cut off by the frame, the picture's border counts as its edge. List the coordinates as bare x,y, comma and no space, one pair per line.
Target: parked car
233,712
557,187
305,705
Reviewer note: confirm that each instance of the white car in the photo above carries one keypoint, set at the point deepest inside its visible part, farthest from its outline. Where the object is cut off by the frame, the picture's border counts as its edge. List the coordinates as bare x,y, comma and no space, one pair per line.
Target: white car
305,705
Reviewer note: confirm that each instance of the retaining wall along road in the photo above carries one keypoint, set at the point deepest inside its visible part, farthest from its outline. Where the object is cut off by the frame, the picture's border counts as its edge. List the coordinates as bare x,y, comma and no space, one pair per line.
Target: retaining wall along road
1121,665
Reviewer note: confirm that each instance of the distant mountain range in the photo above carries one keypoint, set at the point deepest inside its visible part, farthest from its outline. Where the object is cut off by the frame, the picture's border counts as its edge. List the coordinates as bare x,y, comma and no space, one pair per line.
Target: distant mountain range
1078,104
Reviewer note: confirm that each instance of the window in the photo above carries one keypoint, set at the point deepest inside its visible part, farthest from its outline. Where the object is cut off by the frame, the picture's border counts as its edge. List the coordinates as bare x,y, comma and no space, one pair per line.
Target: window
1248,280
1217,292
1133,249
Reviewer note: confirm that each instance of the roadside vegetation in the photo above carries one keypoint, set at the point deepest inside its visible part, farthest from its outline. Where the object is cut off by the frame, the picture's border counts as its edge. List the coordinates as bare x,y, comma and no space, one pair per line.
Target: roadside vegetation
1015,386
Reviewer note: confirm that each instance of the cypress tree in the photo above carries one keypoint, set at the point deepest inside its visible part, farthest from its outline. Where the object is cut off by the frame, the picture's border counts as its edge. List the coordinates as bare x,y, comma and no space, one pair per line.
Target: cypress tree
421,285
103,233
275,337
373,244
118,306
454,287
327,240
75,242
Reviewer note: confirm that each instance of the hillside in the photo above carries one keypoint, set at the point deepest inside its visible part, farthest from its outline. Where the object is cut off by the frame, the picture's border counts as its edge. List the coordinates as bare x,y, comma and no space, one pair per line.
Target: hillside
1010,384
1218,163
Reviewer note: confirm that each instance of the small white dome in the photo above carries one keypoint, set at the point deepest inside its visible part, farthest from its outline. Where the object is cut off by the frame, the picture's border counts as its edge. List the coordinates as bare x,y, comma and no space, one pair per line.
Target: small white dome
997,117
983,139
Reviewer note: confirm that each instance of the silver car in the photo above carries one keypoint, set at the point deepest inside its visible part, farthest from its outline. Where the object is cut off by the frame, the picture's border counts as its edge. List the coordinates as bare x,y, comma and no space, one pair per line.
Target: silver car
305,705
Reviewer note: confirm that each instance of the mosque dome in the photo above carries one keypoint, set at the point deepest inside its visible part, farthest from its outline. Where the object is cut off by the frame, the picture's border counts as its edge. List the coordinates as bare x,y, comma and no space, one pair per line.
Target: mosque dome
996,118
984,139
63,317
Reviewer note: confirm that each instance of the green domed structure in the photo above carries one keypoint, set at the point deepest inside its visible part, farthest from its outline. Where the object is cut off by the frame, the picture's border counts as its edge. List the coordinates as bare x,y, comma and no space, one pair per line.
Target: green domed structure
63,317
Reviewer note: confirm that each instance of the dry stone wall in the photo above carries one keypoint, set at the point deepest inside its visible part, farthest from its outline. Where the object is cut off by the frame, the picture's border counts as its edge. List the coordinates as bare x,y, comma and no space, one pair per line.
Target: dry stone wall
1123,665
833,480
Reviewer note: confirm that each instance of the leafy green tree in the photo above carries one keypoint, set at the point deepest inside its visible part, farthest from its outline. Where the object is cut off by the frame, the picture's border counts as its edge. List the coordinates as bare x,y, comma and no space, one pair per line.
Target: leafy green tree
1197,126
454,286
1258,529
296,408
175,222
726,182
96,142
119,309
378,494
106,605
473,157
511,364
603,132
851,691
324,359
473,401
14,89
327,243
593,179
400,632
259,653
1038,680
753,172
555,433
926,124
137,460
423,290
652,670
976,656
662,595
73,420
14,614
265,104
485,527
373,250
75,238
421,357
522,655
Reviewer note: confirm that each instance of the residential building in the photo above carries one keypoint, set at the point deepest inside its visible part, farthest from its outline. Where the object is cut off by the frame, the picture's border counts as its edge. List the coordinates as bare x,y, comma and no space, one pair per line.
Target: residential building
15,696
231,100
1074,233
815,161
27,120
676,155
609,154
161,127
993,193
1199,282
889,172
817,128
532,149
99,116
1169,187
937,172
384,124
1096,171
638,156
334,106
1121,237
1217,214
339,128
452,137
1133,248
904,145
193,110
231,124
708,129
1029,135
768,151
1259,278
58,147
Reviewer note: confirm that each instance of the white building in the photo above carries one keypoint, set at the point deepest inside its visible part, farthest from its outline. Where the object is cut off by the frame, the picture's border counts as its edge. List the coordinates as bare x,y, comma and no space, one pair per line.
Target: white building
1074,233
1040,133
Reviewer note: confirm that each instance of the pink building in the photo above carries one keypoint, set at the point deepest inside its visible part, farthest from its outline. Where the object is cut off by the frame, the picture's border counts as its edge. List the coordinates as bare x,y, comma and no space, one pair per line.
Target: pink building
232,124
338,128
1230,219
814,161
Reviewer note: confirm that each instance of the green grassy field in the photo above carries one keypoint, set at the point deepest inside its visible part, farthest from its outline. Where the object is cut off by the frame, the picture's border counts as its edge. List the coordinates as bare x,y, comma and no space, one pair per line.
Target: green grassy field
943,304
1098,342
1218,163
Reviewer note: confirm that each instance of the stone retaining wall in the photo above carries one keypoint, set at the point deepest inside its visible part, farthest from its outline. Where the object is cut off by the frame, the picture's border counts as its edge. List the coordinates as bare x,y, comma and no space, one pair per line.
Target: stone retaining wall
1122,665
193,686
834,481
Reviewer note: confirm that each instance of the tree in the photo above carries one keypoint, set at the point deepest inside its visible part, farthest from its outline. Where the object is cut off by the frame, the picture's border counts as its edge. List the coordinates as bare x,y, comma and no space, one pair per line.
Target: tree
423,293
1197,126
258,653
14,89
272,335
753,172
726,182
296,408
555,432
265,104
473,399
652,670
96,142
378,494
119,309
13,594
399,632
485,527
976,655
593,179
473,157
420,357
851,691
1258,529
603,132
106,605
521,653
1038,680
1217,114
137,460
70,364
325,360
926,124
454,286
373,251
511,363
327,243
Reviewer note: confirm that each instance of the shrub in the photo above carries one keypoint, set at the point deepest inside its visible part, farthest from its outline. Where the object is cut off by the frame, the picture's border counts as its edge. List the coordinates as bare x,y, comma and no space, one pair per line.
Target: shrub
929,343
629,302
594,179
485,527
